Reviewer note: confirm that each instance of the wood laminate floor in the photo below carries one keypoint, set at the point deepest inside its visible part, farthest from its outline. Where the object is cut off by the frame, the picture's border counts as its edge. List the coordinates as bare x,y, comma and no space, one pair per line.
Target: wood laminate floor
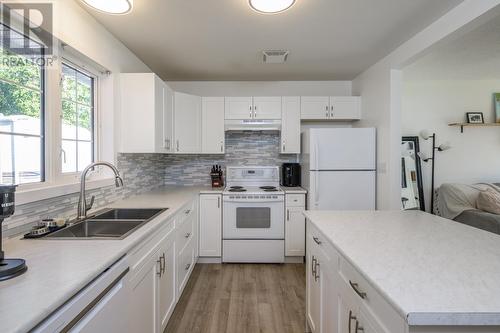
242,298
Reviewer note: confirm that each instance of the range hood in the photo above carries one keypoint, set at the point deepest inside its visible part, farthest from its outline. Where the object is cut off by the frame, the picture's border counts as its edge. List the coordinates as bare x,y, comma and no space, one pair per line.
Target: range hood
252,125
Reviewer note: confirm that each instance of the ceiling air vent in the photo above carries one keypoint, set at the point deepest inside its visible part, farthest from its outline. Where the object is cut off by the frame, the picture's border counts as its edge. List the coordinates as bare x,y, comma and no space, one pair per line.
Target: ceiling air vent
275,56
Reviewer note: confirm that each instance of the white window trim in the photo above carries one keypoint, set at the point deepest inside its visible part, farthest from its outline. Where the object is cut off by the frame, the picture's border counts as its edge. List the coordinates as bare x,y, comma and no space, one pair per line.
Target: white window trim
56,183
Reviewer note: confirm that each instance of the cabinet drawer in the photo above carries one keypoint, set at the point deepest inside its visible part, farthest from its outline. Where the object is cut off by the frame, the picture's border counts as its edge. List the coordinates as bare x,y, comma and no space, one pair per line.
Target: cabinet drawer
185,213
327,250
184,234
295,200
185,262
374,306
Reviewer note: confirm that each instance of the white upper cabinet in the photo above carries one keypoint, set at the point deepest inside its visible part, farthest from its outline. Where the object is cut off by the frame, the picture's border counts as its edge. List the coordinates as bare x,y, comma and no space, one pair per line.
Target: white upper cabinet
267,107
239,108
142,113
315,108
345,108
330,108
187,119
212,125
290,126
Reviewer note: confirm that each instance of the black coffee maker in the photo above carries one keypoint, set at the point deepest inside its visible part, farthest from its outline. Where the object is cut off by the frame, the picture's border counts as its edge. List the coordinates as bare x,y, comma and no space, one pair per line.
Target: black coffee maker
290,175
9,268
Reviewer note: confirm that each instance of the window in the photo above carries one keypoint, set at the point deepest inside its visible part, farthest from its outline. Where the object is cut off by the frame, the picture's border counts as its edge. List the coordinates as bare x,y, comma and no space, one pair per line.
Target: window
77,125
21,115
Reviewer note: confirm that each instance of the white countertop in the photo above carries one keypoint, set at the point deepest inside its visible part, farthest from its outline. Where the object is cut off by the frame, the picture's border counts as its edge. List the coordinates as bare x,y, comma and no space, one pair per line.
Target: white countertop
434,271
293,190
58,269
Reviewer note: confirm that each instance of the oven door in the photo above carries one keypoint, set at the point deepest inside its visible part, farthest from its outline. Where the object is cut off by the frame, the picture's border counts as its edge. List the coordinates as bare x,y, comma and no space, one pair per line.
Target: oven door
244,219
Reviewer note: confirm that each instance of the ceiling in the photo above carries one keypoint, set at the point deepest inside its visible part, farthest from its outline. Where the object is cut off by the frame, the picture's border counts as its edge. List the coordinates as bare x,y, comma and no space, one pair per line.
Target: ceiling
475,55
223,39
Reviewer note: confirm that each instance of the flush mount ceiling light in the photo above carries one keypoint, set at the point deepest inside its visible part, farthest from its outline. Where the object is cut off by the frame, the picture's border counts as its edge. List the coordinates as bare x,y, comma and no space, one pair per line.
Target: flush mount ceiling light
271,6
116,7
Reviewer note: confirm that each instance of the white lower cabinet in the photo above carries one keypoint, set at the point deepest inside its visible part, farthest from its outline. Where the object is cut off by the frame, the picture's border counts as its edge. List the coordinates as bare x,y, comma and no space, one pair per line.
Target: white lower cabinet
210,225
295,226
339,300
166,282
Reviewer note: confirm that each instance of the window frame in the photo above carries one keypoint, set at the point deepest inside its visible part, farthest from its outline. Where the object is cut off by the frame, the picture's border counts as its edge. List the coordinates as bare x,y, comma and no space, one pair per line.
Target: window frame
82,67
43,111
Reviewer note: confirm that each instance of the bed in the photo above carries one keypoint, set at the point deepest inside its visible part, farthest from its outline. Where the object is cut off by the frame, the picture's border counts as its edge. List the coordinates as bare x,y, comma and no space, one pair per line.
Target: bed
458,202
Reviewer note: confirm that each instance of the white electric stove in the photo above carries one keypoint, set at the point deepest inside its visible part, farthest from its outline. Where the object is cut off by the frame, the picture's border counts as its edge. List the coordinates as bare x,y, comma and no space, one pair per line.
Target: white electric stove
254,221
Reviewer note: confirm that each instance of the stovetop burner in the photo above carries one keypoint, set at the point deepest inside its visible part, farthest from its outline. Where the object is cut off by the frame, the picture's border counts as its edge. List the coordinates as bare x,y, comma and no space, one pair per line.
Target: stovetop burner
268,188
237,189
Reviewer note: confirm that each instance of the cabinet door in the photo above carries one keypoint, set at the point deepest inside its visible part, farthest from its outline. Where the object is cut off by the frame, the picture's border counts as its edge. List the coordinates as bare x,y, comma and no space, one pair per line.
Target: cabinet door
168,119
295,228
345,108
185,263
290,131
314,108
238,108
210,225
166,282
267,107
313,289
187,116
143,315
212,125
329,300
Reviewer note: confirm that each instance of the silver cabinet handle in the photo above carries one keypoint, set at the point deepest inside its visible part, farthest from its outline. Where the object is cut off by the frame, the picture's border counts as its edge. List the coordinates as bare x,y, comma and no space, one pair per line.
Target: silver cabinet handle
355,286
316,274
351,318
331,113
167,144
284,145
313,266
161,261
177,145
251,112
358,328
317,241
164,264
187,212
327,111
187,267
218,202
221,146
288,214
187,235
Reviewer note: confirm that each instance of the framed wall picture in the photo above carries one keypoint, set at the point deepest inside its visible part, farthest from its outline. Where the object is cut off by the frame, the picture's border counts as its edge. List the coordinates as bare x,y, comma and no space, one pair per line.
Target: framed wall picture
496,100
475,118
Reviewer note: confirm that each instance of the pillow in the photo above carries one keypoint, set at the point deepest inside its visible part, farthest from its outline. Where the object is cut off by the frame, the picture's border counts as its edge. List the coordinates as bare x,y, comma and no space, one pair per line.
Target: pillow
489,201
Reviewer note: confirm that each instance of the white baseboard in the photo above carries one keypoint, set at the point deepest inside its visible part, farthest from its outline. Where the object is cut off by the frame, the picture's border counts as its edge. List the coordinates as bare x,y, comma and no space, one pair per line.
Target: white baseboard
209,260
294,260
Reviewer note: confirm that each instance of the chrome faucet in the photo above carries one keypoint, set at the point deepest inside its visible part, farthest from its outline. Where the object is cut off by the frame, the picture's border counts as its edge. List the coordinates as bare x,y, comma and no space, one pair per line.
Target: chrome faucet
83,207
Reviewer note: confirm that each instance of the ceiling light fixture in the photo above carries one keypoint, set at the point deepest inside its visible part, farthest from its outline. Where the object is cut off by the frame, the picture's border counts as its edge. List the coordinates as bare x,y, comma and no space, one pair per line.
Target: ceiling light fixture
116,7
270,6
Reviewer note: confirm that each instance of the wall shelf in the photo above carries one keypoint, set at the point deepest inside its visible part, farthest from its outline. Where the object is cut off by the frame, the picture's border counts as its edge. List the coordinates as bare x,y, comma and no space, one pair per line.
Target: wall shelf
462,125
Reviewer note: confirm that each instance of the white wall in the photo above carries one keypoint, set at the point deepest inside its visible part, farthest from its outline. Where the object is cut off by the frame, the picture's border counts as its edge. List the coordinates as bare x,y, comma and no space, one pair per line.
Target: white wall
77,28
263,88
433,105
381,85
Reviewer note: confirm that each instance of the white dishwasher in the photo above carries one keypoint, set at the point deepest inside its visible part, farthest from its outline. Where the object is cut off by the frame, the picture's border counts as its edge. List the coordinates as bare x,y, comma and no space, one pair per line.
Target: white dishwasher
100,307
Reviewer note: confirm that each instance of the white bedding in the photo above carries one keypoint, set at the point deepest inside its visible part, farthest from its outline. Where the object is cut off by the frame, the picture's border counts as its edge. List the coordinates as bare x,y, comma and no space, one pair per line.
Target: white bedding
453,199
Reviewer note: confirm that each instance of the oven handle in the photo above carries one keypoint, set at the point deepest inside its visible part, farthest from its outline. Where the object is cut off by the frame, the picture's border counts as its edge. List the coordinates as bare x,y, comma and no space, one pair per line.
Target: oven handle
254,201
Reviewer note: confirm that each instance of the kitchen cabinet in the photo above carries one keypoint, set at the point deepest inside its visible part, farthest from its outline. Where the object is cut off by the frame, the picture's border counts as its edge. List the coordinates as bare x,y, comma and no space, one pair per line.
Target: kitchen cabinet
330,108
290,126
313,288
246,108
187,122
210,225
168,120
295,226
186,244
166,281
143,314
238,108
145,114
212,125
267,108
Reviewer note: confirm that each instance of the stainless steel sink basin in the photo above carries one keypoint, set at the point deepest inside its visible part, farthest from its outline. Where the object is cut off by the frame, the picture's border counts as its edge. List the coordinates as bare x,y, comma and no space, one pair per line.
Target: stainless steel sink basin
109,224
127,214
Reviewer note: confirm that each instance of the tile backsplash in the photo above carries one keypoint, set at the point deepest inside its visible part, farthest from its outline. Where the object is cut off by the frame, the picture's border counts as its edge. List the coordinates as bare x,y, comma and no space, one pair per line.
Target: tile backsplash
242,148
143,172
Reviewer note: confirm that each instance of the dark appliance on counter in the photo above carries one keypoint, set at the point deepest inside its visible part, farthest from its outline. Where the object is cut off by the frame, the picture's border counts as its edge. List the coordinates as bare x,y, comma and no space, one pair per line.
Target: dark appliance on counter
9,268
290,175
217,176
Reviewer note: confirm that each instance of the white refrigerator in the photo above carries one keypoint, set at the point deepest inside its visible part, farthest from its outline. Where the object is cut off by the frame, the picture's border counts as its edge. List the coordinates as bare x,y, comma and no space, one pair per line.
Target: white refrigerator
339,168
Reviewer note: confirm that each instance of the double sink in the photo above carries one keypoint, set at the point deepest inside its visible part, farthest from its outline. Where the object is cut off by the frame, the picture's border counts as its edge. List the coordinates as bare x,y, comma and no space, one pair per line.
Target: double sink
108,224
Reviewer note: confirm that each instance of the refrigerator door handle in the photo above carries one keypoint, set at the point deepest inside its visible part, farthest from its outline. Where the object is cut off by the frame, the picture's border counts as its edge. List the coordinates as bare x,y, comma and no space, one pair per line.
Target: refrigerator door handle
316,188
